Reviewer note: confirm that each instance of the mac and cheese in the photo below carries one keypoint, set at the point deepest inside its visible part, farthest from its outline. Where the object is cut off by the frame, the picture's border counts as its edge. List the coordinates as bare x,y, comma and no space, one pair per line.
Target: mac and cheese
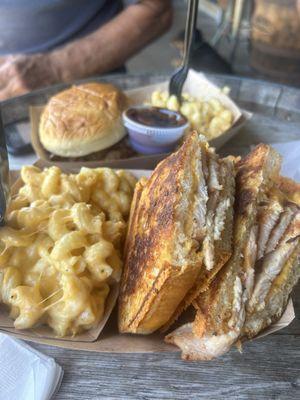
60,249
210,118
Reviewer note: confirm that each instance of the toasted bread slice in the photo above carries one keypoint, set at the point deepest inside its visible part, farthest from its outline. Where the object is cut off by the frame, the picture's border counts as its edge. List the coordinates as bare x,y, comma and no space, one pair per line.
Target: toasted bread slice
289,188
133,212
221,309
207,227
163,255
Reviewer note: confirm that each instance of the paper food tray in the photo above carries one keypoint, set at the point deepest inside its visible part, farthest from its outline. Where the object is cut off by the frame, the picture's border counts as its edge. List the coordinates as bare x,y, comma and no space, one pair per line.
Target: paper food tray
105,337
196,84
6,323
110,341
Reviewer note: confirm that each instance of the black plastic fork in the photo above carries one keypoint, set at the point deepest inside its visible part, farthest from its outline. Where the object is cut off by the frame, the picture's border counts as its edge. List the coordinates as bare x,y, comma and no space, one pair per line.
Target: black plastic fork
178,78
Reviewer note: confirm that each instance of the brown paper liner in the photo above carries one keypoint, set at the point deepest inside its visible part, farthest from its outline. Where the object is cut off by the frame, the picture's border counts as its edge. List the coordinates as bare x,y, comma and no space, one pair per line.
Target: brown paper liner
105,336
6,323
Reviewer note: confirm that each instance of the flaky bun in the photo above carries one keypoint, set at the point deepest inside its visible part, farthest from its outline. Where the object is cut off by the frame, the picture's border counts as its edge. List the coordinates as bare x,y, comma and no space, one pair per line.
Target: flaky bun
83,120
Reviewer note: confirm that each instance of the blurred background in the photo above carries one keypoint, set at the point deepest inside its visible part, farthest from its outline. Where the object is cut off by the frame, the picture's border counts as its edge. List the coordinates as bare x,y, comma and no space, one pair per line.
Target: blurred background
47,42
256,38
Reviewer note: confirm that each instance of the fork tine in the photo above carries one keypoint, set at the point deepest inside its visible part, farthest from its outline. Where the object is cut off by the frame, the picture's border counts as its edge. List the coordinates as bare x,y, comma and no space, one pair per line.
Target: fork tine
175,82
178,78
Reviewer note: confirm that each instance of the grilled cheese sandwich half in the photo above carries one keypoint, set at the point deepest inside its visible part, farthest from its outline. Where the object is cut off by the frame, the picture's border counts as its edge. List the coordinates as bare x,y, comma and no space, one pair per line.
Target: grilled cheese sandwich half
223,309
168,258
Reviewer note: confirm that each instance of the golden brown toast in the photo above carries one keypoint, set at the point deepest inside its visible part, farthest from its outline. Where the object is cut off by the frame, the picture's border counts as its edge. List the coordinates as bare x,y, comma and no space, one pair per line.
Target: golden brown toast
221,309
181,222
290,188
163,259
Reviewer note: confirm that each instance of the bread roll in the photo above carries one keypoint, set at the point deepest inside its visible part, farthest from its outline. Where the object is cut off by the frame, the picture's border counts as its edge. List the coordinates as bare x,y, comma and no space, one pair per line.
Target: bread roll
83,120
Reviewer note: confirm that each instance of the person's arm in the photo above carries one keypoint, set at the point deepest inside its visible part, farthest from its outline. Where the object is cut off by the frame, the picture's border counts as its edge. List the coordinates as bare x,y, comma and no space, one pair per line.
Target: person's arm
103,50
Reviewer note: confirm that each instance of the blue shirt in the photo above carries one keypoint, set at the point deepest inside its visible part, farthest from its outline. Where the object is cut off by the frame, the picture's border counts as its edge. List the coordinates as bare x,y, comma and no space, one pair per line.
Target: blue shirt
31,26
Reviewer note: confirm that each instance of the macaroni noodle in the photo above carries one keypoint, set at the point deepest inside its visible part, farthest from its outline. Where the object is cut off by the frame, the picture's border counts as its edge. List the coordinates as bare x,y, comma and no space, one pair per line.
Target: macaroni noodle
210,118
61,246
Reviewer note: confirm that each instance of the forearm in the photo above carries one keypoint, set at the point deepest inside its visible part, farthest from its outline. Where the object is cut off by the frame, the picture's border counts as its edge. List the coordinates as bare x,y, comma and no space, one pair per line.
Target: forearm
111,45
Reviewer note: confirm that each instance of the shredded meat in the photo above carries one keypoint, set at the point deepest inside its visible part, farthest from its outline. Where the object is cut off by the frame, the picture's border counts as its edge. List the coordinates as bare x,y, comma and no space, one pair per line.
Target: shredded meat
250,253
213,168
251,248
205,348
284,221
200,207
208,347
268,218
220,215
271,267
214,188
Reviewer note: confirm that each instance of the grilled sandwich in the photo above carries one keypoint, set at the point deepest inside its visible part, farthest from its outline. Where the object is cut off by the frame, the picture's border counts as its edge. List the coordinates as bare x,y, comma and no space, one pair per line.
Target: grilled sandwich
252,289
278,268
179,236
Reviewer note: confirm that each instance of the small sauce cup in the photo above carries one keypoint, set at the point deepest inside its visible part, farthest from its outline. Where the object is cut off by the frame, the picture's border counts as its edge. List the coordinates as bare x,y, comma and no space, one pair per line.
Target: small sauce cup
154,130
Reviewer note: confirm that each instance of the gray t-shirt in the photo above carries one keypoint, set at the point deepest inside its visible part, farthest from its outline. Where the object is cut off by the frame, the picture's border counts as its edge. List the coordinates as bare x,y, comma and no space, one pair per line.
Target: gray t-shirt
31,26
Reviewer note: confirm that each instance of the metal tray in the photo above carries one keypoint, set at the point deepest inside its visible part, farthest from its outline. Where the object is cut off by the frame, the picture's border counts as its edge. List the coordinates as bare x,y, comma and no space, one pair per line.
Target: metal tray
275,108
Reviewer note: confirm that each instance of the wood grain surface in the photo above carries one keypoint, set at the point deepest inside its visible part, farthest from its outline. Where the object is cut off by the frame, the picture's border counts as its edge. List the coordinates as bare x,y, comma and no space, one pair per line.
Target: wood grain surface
268,368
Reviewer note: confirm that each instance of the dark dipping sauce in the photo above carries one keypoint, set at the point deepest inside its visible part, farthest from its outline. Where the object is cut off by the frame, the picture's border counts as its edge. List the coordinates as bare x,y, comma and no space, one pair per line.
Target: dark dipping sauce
157,117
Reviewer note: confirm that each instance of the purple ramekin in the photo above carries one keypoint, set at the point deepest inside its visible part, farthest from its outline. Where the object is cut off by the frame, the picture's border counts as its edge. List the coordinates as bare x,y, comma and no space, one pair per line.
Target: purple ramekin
151,139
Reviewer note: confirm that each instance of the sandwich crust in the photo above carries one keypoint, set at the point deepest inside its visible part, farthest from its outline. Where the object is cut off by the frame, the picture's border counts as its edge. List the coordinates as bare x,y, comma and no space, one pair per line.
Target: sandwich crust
289,188
161,262
83,119
174,226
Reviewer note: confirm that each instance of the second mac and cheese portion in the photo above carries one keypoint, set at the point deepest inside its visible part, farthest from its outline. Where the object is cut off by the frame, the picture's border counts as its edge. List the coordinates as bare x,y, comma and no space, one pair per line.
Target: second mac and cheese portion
210,118
60,249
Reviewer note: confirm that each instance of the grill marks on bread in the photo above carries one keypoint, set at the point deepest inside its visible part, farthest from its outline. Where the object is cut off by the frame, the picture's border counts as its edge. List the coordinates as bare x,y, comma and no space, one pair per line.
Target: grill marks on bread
162,256
172,215
185,244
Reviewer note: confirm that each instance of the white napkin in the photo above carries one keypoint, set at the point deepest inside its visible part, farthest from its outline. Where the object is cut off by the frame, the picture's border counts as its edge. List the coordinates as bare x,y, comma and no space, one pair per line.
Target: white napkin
290,152
25,373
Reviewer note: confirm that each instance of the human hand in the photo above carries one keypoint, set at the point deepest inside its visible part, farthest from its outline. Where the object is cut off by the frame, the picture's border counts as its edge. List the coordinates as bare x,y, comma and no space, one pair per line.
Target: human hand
22,73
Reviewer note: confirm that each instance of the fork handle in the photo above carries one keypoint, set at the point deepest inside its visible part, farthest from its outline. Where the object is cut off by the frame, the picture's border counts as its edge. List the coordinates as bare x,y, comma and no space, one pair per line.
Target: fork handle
190,29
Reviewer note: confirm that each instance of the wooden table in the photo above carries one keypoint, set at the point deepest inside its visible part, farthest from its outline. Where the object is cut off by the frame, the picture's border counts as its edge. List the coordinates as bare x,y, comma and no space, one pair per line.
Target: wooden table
269,368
